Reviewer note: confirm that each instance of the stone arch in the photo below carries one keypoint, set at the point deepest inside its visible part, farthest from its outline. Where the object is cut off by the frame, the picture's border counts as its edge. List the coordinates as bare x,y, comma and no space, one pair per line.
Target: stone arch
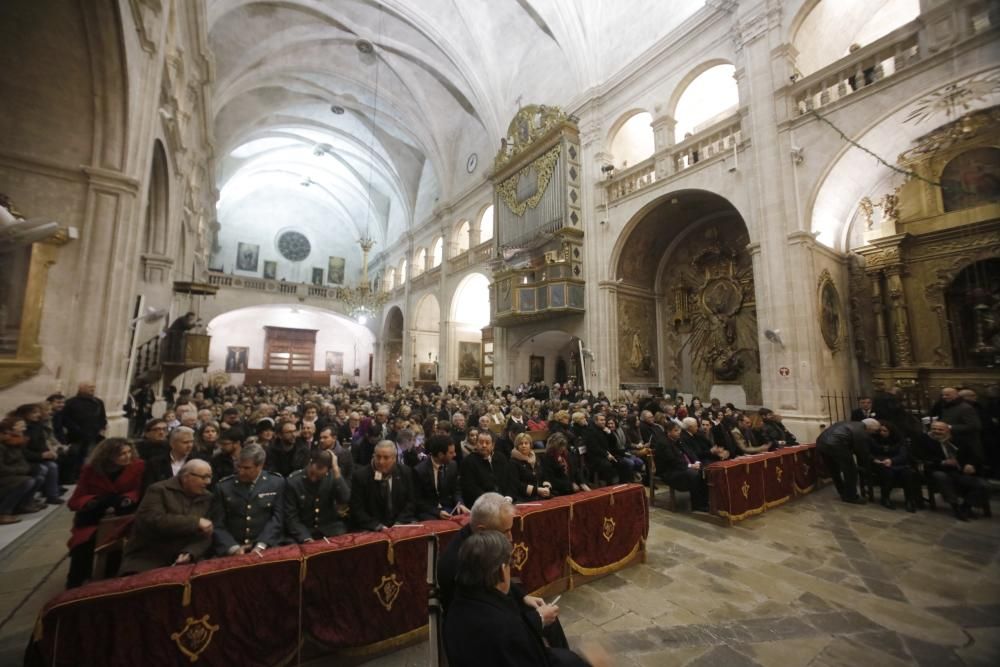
419,261
485,218
552,352
425,332
686,80
685,87
460,237
393,329
628,141
437,252
390,279
686,303
158,202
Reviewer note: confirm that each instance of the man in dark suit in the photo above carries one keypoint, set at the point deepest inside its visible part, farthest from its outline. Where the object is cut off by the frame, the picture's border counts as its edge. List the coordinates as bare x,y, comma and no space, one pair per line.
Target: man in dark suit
435,481
839,444
382,492
288,453
864,409
166,465
486,470
956,468
678,465
312,497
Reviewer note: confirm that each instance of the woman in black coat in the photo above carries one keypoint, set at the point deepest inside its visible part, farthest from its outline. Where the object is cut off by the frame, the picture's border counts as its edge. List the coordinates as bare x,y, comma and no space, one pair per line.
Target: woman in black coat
557,469
527,471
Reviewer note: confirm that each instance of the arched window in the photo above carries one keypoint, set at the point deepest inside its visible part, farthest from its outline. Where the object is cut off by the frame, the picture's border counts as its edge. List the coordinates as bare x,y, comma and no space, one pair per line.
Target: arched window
633,142
437,252
709,98
831,29
402,272
486,224
462,238
390,279
419,261
157,218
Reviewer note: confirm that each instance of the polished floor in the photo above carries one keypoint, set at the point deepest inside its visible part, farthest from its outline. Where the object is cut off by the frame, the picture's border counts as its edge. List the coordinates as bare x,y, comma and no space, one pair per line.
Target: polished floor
812,583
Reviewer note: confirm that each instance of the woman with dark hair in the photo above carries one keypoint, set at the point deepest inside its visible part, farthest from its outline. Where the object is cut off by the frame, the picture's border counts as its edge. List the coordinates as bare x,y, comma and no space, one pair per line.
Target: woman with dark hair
527,471
205,442
44,468
111,480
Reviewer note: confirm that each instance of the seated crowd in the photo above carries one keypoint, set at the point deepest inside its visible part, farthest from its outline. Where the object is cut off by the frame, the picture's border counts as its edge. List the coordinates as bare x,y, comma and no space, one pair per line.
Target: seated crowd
241,469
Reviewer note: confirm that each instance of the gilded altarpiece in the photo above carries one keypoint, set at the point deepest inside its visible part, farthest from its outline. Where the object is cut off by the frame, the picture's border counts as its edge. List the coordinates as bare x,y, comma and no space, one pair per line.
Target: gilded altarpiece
710,324
925,280
637,353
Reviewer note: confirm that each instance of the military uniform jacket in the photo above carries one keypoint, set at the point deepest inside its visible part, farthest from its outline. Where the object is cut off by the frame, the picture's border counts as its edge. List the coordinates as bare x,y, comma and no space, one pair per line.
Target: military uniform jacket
248,513
312,507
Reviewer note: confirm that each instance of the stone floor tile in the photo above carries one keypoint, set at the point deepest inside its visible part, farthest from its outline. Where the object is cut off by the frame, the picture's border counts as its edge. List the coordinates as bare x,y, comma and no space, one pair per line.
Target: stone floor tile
984,650
723,656
680,657
788,652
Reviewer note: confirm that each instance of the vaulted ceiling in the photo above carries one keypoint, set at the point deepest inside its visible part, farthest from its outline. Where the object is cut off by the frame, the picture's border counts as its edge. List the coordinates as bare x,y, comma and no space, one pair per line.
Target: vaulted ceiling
419,86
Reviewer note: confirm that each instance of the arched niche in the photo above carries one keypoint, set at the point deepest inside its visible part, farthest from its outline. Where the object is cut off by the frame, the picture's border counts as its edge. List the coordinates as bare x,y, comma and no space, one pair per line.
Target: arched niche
632,141
547,356
470,312
686,304
392,346
425,331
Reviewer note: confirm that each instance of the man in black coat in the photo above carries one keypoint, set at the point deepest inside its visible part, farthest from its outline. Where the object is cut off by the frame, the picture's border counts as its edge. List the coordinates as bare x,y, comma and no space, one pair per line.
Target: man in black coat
599,458
962,418
839,444
486,470
85,421
288,453
312,497
678,465
382,492
864,409
955,468
435,481
163,466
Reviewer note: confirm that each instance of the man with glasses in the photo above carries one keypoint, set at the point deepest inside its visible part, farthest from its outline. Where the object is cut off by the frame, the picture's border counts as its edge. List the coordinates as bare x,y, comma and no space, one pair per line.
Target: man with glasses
154,440
171,526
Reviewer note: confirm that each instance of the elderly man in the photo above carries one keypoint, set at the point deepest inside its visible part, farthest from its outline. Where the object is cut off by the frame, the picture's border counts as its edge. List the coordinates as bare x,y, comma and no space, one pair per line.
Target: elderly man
962,418
313,498
839,444
166,465
493,512
247,508
486,470
171,525
955,469
382,492
680,468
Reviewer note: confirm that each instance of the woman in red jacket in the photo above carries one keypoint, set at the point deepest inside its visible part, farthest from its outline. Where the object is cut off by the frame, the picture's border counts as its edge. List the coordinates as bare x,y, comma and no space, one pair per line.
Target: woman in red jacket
111,480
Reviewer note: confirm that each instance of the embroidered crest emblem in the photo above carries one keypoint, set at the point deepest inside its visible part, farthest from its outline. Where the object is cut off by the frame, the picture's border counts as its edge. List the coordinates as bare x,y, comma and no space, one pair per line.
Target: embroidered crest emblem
194,637
745,489
519,556
609,528
388,590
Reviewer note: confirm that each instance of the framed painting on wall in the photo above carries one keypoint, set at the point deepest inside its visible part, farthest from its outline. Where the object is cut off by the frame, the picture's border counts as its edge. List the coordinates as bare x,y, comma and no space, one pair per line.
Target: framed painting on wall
536,369
335,271
468,360
270,270
317,278
236,359
247,255
335,363
427,372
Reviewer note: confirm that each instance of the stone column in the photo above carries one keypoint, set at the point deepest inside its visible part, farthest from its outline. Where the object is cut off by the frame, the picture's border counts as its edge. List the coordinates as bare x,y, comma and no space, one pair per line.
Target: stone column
663,139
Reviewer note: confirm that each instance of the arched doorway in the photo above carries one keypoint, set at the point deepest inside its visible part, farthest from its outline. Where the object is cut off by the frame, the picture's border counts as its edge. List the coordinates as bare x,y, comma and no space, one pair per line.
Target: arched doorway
548,356
426,332
685,300
392,347
470,312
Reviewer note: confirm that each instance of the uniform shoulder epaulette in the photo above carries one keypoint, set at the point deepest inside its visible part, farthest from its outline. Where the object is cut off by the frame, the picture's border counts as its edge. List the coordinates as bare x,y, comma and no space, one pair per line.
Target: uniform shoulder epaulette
227,477
273,474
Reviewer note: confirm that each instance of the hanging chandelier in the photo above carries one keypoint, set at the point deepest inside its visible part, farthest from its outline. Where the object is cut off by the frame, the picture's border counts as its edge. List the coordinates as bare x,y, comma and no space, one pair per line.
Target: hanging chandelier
362,301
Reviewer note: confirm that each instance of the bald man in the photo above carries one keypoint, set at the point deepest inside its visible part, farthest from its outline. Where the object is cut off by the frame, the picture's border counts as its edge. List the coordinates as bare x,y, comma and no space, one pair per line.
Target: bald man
85,422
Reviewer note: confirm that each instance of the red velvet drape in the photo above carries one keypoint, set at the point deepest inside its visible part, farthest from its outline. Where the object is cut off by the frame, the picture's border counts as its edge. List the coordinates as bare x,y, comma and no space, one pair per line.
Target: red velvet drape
749,485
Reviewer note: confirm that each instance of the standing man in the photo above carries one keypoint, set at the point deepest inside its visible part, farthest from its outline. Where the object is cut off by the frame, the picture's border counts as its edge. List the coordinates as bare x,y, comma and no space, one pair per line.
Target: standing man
171,525
312,497
839,444
86,422
247,509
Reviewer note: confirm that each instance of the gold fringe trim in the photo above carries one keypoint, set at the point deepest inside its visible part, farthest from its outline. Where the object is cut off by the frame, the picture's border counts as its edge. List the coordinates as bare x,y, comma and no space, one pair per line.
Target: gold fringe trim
737,517
605,569
390,644
775,503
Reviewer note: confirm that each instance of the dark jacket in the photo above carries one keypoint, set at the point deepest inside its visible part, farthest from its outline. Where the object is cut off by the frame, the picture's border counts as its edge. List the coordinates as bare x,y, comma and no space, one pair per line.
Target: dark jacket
552,471
248,513
485,628
14,468
429,500
669,457
525,475
370,508
964,422
846,435
84,418
166,525
478,476
311,508
773,432
286,461
158,469
37,443
149,449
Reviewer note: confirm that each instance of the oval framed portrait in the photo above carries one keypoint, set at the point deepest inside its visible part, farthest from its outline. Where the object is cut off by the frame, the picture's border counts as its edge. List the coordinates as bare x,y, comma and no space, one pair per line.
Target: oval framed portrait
829,313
